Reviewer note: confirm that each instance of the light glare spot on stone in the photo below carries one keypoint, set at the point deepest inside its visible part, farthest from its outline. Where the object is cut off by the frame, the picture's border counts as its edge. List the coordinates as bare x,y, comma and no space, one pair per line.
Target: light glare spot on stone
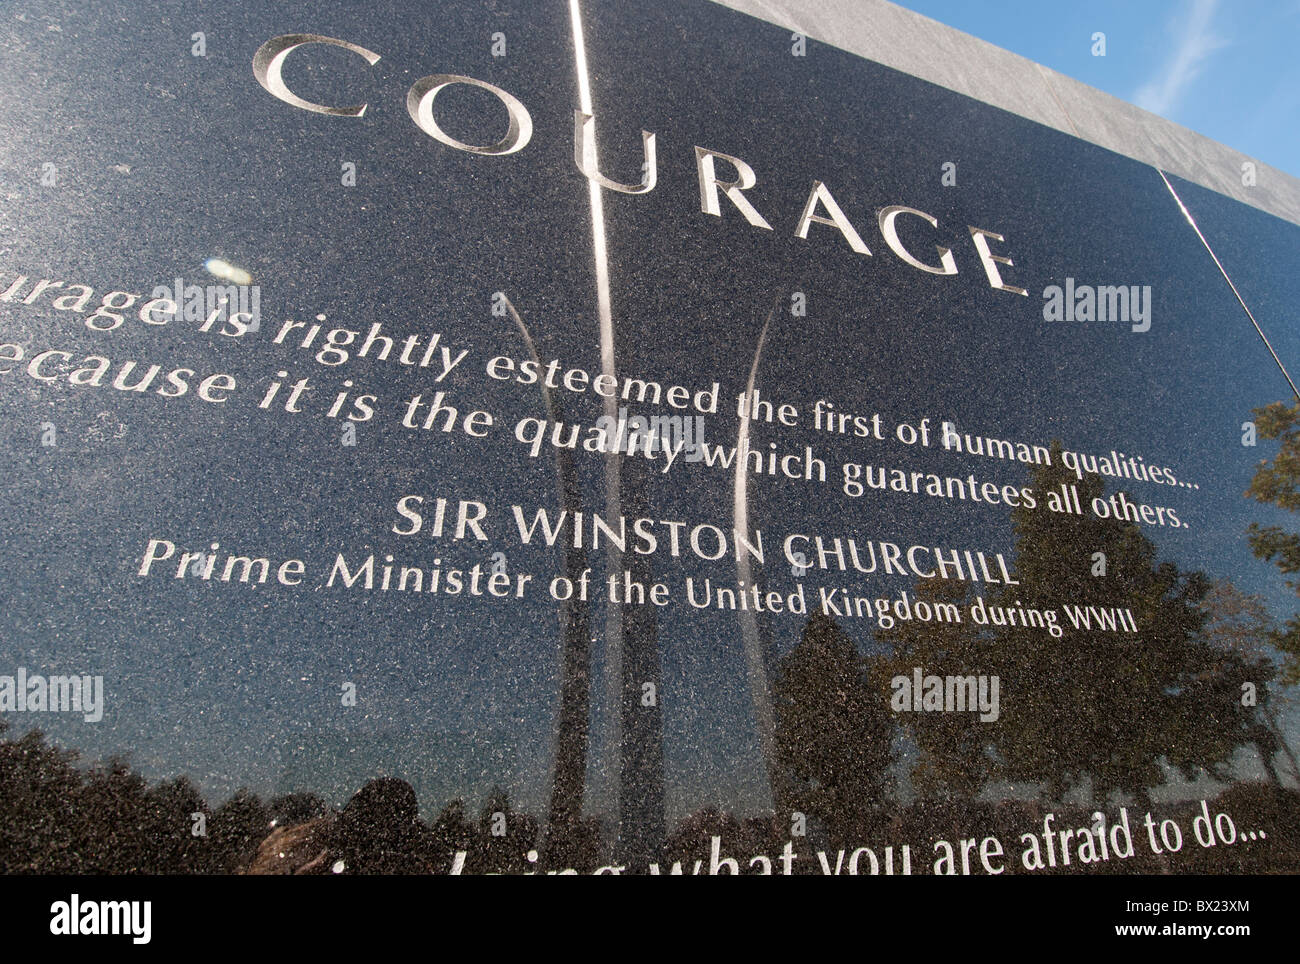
227,271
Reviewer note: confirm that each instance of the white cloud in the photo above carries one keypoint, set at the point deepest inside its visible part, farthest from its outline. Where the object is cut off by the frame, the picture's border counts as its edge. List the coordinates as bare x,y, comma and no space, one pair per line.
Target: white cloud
1194,43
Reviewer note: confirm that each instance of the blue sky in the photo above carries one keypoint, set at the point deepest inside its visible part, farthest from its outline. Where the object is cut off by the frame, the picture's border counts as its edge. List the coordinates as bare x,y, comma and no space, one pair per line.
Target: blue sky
1229,69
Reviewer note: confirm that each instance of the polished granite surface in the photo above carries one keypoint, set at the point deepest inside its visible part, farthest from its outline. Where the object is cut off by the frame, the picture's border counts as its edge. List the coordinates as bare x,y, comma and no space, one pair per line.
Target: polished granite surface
330,618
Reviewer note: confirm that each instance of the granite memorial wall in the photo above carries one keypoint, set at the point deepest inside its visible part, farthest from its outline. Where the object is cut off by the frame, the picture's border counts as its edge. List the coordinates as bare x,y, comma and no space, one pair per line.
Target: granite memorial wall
609,436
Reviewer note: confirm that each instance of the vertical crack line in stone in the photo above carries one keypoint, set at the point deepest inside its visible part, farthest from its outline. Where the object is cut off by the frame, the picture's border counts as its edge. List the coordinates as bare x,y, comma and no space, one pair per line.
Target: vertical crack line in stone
1047,80
613,501
1240,300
